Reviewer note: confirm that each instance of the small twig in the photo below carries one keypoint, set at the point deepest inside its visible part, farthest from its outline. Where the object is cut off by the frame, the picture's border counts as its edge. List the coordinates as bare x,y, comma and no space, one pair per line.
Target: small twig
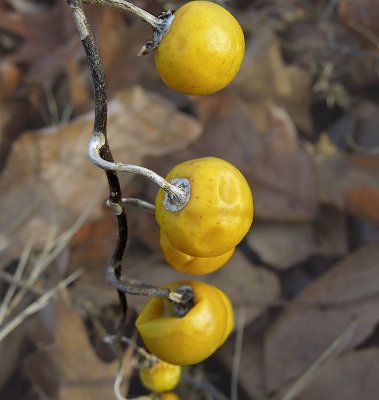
97,142
37,305
238,353
130,201
4,308
137,288
339,344
117,385
204,385
160,24
50,252
100,154
112,340
100,128
7,277
364,32
126,5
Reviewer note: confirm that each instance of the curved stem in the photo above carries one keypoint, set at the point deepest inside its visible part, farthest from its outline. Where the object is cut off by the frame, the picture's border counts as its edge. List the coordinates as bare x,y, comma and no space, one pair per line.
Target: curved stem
160,25
100,125
144,205
137,288
126,5
101,155
112,339
97,142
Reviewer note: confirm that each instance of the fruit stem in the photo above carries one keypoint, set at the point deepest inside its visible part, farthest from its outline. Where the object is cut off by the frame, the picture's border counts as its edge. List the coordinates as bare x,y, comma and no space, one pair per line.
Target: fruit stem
182,298
130,201
126,5
160,24
111,339
178,192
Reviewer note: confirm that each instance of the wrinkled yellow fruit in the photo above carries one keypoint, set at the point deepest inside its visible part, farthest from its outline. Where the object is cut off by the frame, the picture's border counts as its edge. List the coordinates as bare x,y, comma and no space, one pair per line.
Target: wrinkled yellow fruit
229,315
203,49
169,396
219,211
189,264
160,377
190,339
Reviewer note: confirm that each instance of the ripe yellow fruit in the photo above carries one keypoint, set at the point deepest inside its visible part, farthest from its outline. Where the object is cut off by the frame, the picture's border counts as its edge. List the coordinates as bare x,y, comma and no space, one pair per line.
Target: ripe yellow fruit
169,396
219,211
229,315
160,377
189,264
203,49
190,339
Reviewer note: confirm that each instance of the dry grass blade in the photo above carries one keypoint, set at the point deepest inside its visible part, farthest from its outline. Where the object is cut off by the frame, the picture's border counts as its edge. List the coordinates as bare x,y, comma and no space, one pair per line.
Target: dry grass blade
37,305
23,216
238,352
120,374
331,352
4,307
20,283
51,250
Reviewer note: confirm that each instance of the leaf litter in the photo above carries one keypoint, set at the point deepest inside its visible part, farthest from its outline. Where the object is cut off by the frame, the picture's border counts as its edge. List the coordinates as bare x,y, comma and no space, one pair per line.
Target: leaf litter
300,121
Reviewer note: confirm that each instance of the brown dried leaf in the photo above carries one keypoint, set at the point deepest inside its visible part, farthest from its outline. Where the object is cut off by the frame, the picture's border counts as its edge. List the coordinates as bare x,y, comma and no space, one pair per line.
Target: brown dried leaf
46,40
350,377
251,372
75,370
10,79
279,169
282,245
363,202
49,175
316,317
11,125
247,285
265,76
361,13
12,346
349,183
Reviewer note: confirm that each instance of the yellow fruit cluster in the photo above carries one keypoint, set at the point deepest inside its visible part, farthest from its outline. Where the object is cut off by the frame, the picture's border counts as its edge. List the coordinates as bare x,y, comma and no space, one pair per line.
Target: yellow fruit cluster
202,236
201,54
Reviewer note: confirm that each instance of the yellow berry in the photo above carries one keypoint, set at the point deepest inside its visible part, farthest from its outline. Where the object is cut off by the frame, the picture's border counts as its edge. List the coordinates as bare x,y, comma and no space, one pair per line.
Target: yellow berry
169,396
219,211
229,315
190,339
189,264
160,376
203,49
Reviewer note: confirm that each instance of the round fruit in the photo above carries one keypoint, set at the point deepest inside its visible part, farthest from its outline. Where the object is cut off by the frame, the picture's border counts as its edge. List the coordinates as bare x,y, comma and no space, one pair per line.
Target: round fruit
169,396
190,339
189,264
219,211
203,49
229,315
160,377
